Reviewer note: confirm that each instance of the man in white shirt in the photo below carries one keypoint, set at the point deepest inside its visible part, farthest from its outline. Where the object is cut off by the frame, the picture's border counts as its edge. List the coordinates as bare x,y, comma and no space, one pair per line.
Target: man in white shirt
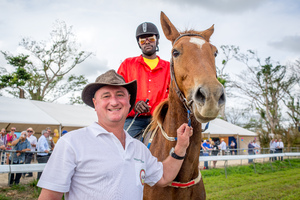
43,149
273,145
102,161
280,147
223,146
33,142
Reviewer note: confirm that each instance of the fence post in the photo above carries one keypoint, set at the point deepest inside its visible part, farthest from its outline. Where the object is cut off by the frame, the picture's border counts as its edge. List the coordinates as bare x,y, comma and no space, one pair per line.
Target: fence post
225,164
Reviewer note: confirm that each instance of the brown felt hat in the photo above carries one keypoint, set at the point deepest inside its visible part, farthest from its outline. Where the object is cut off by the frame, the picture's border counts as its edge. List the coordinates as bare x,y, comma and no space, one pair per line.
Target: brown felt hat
108,78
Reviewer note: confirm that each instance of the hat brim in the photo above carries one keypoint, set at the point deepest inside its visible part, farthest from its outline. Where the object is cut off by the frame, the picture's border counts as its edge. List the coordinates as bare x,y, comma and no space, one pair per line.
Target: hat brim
89,91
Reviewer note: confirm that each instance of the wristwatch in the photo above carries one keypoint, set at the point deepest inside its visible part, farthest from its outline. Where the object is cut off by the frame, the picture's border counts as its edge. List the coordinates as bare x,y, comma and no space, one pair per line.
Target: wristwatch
174,155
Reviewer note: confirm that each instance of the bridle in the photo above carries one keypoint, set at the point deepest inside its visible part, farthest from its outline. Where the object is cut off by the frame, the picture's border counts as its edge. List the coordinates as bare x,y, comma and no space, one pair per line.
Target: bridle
187,104
188,107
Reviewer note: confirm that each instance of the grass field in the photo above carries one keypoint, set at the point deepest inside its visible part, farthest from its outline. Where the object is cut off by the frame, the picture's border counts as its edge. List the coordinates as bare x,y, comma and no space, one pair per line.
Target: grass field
277,181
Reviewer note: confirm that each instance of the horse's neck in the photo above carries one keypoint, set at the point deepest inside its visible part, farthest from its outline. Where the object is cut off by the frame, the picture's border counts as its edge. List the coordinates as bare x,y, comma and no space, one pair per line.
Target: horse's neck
177,115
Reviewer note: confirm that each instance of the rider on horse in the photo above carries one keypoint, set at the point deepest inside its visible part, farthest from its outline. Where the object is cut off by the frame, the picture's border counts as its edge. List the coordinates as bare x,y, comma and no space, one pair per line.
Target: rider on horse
152,75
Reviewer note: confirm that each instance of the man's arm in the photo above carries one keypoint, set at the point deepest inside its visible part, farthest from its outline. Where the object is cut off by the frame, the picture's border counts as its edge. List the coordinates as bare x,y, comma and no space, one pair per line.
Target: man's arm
171,166
50,195
15,142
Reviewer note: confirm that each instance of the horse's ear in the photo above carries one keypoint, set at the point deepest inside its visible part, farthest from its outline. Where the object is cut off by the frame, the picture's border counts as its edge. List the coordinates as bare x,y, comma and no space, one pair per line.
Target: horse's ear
207,33
168,28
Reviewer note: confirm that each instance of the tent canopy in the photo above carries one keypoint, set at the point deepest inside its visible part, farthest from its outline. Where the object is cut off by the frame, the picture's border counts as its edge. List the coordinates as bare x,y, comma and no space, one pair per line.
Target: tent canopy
222,128
24,113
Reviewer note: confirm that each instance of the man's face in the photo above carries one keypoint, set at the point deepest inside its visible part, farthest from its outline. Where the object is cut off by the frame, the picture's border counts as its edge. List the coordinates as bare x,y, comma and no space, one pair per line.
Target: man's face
47,134
3,131
29,132
23,136
148,44
112,105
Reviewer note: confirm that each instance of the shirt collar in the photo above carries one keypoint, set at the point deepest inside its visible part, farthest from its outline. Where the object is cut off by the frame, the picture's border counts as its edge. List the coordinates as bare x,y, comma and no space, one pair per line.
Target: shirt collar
98,130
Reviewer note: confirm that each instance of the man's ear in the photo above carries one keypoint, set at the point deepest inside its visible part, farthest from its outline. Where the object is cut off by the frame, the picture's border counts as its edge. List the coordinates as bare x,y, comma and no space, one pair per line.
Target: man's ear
94,102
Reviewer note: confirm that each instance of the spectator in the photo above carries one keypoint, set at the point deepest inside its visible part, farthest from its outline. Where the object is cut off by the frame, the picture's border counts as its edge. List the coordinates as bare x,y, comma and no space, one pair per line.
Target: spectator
214,152
256,147
3,138
206,151
276,146
63,132
280,148
232,147
2,146
152,75
273,145
250,150
33,142
102,161
56,136
43,149
21,145
50,139
10,138
223,146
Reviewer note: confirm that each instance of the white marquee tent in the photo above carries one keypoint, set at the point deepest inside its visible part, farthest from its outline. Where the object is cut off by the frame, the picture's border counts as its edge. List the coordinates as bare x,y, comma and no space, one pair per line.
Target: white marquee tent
221,128
24,113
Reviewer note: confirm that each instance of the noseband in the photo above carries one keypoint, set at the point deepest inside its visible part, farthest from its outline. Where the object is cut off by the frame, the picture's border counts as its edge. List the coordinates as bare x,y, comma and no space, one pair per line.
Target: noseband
187,104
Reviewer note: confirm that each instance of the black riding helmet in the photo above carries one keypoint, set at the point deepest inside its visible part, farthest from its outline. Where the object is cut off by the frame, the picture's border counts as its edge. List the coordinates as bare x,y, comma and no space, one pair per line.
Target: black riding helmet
147,28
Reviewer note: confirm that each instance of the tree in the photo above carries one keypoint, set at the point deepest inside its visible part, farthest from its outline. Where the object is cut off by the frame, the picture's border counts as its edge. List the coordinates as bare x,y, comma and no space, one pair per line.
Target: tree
229,52
51,62
265,86
18,78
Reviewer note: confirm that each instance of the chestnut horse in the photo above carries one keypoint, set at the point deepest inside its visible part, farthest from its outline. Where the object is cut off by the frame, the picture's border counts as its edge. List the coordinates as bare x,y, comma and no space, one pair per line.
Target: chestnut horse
196,97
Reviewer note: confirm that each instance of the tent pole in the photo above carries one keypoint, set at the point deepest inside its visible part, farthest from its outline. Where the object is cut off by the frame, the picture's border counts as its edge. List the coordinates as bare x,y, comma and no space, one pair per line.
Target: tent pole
59,130
238,143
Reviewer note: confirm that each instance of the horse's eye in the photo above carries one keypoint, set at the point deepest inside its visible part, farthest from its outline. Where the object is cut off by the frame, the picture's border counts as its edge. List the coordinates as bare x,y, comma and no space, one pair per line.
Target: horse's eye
216,53
175,53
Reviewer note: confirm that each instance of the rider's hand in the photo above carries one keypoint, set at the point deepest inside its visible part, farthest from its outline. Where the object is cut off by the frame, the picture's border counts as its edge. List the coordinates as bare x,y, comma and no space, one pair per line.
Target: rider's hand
141,107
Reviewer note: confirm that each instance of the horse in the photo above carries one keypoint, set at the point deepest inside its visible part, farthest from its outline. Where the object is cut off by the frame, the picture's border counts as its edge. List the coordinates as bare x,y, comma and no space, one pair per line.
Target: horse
195,96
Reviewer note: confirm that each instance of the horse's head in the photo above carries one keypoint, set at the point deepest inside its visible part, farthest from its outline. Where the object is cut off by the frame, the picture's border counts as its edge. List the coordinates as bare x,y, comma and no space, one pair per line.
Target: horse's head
193,58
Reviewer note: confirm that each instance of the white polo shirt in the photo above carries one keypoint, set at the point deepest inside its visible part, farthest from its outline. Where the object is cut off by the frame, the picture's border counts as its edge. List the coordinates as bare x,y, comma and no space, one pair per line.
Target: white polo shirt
32,139
91,163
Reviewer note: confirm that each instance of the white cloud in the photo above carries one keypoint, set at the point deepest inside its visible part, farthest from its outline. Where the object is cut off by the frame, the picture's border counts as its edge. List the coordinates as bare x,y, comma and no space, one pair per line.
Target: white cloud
107,28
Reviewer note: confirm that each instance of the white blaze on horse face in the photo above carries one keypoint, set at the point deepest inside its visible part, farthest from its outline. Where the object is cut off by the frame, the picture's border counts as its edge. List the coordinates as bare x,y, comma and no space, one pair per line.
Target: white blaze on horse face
197,41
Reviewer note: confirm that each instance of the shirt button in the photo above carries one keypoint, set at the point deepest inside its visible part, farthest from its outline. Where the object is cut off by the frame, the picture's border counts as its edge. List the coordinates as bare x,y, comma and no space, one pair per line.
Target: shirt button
149,80
149,91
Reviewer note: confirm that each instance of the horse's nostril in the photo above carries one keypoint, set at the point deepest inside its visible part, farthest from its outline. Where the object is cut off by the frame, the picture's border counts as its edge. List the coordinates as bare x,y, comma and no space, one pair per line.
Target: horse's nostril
222,99
200,96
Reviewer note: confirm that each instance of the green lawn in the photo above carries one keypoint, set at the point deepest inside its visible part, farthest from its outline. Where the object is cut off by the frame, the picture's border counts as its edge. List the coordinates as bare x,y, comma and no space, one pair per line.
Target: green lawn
277,181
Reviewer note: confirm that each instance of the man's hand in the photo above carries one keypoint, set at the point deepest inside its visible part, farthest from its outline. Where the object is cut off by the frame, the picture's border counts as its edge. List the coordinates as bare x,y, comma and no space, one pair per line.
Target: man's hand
141,107
184,132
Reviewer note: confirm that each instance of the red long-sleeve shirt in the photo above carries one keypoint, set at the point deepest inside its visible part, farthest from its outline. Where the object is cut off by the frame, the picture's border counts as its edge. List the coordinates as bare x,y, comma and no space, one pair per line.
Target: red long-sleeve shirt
151,84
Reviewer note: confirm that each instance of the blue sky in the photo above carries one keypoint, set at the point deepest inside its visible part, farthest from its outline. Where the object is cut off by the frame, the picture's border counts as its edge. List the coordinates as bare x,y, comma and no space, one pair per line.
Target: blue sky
107,28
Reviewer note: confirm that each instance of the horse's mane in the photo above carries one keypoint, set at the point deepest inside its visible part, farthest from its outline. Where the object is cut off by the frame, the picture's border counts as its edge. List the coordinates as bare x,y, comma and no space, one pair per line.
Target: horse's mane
159,113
